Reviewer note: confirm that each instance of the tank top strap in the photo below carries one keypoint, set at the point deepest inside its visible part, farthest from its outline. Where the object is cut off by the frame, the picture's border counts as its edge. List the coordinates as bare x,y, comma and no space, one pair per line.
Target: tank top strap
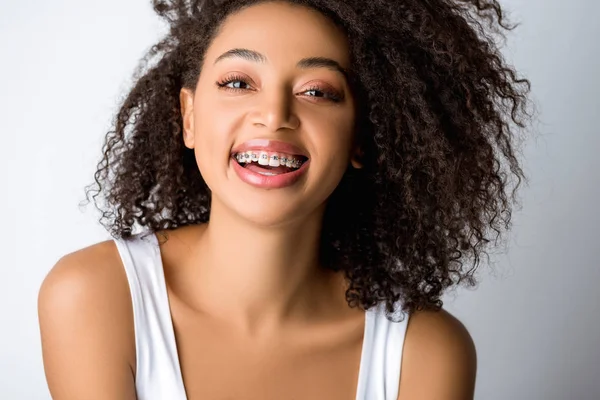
381,357
158,373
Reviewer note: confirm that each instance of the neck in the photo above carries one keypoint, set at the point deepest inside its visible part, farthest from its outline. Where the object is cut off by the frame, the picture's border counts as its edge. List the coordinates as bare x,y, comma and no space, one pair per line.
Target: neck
257,276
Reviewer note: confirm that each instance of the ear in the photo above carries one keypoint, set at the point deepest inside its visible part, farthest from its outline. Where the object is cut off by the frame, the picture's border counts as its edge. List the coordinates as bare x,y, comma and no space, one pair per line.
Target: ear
186,102
357,155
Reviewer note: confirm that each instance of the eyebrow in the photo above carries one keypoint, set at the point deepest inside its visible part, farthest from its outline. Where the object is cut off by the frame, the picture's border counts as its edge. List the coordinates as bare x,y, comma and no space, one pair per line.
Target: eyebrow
305,63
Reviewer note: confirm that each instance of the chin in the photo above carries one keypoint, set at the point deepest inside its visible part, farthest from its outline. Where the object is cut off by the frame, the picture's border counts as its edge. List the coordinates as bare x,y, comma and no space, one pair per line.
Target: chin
268,209
271,214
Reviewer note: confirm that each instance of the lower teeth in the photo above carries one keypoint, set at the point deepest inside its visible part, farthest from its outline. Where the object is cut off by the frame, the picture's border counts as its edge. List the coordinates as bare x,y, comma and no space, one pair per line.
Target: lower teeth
291,169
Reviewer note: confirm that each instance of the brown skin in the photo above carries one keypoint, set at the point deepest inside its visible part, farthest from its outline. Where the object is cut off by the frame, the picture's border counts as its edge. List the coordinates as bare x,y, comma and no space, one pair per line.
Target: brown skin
275,232
85,306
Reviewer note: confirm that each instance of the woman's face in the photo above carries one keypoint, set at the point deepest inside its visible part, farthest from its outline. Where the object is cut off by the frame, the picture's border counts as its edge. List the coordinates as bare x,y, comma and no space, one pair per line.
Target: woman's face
274,73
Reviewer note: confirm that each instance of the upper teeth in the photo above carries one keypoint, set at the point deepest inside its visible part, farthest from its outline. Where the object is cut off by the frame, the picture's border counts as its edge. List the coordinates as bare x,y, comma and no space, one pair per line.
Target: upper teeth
270,159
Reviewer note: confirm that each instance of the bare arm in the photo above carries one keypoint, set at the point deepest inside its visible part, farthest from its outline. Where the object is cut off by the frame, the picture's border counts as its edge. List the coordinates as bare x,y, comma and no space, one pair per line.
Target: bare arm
86,327
439,359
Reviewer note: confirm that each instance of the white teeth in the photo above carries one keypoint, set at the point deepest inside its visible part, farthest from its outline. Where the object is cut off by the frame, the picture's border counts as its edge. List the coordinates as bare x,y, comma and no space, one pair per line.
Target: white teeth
274,160
263,158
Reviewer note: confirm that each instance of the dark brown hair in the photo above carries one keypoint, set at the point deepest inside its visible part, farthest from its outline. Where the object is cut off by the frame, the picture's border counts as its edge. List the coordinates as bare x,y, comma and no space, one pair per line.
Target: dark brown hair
439,110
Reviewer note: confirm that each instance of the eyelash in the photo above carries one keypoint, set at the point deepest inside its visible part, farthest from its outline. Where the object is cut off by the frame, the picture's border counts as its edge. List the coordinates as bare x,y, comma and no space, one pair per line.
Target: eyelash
332,96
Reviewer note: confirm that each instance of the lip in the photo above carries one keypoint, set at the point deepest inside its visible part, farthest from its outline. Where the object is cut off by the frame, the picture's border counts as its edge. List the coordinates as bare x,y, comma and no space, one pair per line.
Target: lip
269,182
270,146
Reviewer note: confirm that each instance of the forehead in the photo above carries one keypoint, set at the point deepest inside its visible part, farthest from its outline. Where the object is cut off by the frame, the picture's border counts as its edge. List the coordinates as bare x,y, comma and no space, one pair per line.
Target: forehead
282,31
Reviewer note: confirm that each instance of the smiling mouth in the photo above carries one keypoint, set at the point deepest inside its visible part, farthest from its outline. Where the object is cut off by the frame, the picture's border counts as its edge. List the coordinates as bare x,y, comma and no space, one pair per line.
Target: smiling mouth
269,164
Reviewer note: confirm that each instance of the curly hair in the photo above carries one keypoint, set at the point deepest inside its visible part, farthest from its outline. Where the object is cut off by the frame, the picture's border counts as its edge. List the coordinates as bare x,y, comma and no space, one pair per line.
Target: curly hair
438,116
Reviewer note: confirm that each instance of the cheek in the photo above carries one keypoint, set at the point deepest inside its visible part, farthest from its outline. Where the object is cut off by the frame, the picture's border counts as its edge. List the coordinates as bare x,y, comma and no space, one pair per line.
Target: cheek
333,140
211,143
215,124
332,144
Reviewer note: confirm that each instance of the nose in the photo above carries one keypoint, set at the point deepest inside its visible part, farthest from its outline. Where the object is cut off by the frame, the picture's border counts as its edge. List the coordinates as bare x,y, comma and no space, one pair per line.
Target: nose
275,111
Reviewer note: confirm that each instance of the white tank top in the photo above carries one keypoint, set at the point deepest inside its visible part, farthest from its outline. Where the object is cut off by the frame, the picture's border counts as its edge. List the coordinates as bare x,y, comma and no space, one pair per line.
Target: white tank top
158,375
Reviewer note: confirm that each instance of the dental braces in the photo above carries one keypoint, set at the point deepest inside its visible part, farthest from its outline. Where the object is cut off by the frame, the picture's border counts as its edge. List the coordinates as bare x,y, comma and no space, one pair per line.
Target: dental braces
264,159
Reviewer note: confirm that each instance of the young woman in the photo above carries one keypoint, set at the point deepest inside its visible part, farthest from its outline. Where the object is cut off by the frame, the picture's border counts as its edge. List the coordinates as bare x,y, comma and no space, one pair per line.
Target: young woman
308,178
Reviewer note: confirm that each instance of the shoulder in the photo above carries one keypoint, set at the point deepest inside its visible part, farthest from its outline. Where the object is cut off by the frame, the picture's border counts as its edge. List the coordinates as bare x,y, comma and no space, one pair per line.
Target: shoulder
86,323
87,276
98,258
439,358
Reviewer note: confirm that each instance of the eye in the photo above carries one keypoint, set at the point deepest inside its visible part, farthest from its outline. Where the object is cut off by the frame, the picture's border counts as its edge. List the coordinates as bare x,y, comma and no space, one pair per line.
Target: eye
237,81
324,93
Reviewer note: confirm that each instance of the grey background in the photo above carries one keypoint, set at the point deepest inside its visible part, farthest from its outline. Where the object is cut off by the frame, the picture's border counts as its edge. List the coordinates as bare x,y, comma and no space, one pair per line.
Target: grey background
534,317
